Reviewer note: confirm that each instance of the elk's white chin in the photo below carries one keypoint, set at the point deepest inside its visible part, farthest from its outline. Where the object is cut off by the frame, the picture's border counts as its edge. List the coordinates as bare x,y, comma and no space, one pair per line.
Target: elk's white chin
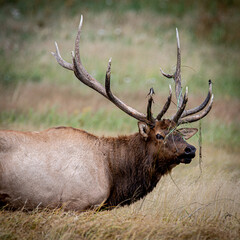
186,160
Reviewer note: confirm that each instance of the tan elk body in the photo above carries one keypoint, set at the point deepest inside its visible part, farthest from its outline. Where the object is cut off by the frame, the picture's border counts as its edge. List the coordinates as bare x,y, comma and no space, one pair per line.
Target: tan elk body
70,168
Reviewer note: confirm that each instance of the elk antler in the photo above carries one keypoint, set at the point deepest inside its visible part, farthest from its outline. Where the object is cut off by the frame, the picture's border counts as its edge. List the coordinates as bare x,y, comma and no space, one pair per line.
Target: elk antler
181,115
81,73
179,118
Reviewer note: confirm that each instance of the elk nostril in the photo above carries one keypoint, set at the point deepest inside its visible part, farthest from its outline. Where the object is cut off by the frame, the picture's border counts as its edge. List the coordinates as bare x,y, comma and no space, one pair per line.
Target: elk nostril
188,150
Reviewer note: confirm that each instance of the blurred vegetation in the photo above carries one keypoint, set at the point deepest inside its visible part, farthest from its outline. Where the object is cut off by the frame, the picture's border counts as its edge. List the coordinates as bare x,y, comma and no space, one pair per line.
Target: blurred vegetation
216,20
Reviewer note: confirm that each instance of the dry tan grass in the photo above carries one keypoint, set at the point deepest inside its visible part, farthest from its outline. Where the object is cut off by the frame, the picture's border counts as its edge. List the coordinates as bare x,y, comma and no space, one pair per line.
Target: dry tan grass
191,207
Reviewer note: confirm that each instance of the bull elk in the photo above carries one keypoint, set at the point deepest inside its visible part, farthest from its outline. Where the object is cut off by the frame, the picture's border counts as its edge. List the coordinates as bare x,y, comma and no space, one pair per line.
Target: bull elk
70,168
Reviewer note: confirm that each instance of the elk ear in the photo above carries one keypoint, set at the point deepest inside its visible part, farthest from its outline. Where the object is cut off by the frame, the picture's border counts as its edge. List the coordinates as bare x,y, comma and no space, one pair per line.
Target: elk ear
188,132
144,129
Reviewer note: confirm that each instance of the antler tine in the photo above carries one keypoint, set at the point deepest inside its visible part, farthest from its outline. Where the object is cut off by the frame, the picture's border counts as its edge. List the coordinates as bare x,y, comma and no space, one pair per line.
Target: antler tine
180,110
165,74
127,109
77,52
202,105
60,60
198,116
177,74
149,106
107,80
166,106
80,71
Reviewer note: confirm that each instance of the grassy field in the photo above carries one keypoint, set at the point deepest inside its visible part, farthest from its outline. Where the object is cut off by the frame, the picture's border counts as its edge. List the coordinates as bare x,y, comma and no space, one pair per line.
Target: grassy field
35,94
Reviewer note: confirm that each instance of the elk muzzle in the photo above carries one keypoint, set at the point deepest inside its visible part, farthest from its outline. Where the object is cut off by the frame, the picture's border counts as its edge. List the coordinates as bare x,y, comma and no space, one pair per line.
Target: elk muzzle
188,155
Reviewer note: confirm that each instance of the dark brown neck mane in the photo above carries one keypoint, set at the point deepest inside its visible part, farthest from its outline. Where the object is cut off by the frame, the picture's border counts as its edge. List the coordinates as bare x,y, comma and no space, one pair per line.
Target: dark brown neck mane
134,170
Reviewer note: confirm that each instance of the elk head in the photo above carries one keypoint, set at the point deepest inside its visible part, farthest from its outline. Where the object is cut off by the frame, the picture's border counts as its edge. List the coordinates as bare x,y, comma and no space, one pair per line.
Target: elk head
160,133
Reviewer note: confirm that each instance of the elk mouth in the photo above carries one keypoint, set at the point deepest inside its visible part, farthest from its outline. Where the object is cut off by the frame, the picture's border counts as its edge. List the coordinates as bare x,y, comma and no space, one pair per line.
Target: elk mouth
186,158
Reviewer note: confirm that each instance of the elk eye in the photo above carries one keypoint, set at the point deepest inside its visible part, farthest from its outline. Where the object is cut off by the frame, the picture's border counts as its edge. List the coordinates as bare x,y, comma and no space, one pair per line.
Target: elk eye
159,137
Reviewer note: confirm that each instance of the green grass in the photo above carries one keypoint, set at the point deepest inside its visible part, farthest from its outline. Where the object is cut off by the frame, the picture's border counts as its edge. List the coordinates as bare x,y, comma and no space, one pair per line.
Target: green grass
217,133
222,134
97,121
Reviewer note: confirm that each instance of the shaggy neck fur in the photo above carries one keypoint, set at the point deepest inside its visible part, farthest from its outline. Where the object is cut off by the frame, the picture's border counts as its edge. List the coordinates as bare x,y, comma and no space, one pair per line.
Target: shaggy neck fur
134,170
